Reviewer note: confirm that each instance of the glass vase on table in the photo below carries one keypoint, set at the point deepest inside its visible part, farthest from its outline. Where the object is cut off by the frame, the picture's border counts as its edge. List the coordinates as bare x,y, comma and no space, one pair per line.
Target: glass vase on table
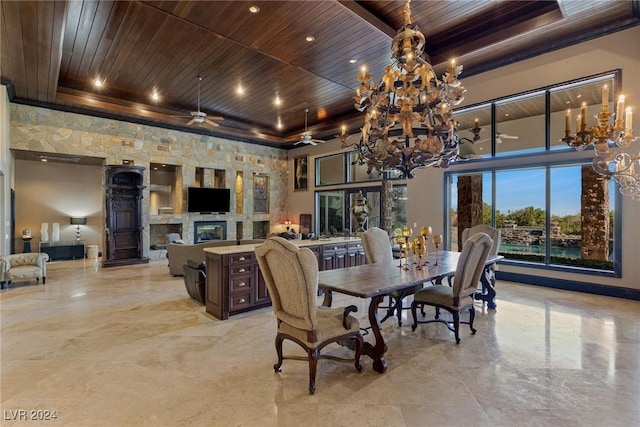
437,240
425,232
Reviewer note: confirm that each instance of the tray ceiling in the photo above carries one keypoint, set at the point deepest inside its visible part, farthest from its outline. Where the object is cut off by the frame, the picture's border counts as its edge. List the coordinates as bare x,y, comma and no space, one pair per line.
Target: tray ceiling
53,51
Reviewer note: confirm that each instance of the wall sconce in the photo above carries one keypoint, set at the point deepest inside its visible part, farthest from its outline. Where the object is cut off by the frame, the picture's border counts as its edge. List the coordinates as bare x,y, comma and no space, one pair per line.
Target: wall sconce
287,223
78,222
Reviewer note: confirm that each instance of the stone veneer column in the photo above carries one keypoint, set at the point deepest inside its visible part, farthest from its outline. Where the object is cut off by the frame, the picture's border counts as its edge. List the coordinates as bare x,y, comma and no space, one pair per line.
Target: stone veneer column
386,199
469,203
594,215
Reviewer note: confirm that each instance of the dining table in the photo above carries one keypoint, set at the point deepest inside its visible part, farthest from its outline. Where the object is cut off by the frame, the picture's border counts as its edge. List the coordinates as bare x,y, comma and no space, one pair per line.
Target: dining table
376,281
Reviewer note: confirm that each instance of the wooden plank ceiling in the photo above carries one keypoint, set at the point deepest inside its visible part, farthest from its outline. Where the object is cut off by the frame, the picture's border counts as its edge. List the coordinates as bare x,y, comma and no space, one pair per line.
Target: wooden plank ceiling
53,51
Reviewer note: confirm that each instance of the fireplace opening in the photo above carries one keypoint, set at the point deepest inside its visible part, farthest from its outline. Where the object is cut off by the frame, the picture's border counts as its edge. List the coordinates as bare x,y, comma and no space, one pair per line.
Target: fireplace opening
204,231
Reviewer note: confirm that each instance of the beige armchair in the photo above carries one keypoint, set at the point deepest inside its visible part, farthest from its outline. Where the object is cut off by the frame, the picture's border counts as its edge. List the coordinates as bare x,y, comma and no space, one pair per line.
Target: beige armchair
291,274
24,266
459,297
377,248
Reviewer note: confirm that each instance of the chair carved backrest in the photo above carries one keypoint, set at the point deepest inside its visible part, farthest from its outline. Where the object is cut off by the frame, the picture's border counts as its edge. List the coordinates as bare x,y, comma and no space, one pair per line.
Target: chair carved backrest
474,255
377,246
291,274
494,233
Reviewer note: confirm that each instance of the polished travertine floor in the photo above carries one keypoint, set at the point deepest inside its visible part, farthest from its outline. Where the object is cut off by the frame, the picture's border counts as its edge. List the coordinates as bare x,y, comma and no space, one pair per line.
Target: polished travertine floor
126,347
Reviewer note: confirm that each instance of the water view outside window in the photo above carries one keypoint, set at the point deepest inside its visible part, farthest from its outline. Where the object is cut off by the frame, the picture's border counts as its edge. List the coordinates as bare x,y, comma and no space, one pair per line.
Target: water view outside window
531,230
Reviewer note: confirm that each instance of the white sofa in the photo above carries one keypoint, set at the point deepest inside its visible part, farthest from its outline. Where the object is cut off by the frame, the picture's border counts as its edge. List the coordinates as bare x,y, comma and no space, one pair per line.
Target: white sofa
24,266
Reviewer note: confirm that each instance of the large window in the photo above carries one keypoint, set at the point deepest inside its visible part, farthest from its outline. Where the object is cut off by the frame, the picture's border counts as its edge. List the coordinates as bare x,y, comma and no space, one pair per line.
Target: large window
544,215
334,215
557,213
533,122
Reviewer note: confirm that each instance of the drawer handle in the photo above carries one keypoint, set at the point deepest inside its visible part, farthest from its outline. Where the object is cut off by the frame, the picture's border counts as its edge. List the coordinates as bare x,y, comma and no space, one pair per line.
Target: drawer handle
242,284
242,270
241,301
241,258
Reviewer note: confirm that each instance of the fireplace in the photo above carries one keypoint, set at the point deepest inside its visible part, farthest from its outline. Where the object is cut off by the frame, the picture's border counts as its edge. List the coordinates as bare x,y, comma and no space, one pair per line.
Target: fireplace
209,230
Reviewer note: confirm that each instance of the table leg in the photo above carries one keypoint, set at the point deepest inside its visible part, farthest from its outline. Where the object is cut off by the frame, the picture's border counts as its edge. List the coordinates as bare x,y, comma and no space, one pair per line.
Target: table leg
376,351
488,281
328,298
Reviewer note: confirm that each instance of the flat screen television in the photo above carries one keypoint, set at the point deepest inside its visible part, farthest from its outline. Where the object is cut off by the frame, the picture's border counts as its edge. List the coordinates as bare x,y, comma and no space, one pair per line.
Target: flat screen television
208,199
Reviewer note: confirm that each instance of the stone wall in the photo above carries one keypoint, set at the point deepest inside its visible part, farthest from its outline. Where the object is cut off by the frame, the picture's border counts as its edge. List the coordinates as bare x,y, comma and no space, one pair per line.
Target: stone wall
469,202
595,214
52,131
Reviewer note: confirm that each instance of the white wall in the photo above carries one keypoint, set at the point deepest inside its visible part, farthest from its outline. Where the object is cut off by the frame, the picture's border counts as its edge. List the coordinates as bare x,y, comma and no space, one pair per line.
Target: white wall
425,192
54,192
6,174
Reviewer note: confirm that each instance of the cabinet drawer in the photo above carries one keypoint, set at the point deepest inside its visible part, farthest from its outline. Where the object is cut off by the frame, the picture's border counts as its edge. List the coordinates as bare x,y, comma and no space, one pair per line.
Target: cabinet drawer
340,247
240,270
242,258
241,283
240,300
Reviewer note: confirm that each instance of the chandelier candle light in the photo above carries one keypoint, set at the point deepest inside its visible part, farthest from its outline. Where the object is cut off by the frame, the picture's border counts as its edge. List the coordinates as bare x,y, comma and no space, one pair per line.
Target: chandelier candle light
605,137
409,93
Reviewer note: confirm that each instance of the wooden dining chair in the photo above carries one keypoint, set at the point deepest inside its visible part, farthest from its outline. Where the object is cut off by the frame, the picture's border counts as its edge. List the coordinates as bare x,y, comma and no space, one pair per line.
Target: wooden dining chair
459,297
291,274
377,249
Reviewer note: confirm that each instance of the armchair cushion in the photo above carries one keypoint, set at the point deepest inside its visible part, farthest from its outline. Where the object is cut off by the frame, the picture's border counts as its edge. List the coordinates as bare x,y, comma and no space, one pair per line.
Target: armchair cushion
329,325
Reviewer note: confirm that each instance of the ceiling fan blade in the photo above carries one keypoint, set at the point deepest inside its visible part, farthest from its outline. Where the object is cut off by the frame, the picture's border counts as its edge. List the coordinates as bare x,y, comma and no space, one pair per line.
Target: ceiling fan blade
212,123
215,117
298,143
319,141
190,122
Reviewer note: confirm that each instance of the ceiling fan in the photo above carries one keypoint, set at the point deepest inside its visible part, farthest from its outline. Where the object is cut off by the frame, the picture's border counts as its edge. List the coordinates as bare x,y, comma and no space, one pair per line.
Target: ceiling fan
200,116
500,136
306,138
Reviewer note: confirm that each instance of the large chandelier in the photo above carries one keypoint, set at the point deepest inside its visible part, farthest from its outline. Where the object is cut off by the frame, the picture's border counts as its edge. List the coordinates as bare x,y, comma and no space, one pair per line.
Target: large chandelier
408,94
607,139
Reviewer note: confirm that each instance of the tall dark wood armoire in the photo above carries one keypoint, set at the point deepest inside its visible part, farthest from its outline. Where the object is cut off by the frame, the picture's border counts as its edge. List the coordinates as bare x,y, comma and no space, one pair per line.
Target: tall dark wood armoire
123,207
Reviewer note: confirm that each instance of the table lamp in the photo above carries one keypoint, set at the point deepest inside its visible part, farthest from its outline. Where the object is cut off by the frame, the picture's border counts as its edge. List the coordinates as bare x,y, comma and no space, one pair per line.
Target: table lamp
77,221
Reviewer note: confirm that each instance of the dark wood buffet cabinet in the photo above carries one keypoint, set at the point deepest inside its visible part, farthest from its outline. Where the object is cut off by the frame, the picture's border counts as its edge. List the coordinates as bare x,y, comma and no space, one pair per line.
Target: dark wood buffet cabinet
235,283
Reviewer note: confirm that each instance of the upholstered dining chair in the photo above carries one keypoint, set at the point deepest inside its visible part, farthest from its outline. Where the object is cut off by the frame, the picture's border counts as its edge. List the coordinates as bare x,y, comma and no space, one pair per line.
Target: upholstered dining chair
459,297
291,275
494,233
488,274
377,248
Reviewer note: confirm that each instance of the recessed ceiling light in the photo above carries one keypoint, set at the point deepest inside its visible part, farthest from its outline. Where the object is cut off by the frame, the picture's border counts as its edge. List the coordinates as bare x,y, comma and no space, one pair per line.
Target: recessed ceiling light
277,101
579,96
309,38
353,61
97,82
240,90
279,124
254,9
155,96
44,160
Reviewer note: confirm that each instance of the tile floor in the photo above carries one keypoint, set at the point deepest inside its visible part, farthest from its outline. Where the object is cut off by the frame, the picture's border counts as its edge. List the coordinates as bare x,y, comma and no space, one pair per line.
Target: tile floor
125,346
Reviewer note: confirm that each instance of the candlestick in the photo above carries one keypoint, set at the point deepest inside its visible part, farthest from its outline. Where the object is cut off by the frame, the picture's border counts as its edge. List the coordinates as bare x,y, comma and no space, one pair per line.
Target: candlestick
605,96
627,120
578,121
620,109
476,123
567,127
583,114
